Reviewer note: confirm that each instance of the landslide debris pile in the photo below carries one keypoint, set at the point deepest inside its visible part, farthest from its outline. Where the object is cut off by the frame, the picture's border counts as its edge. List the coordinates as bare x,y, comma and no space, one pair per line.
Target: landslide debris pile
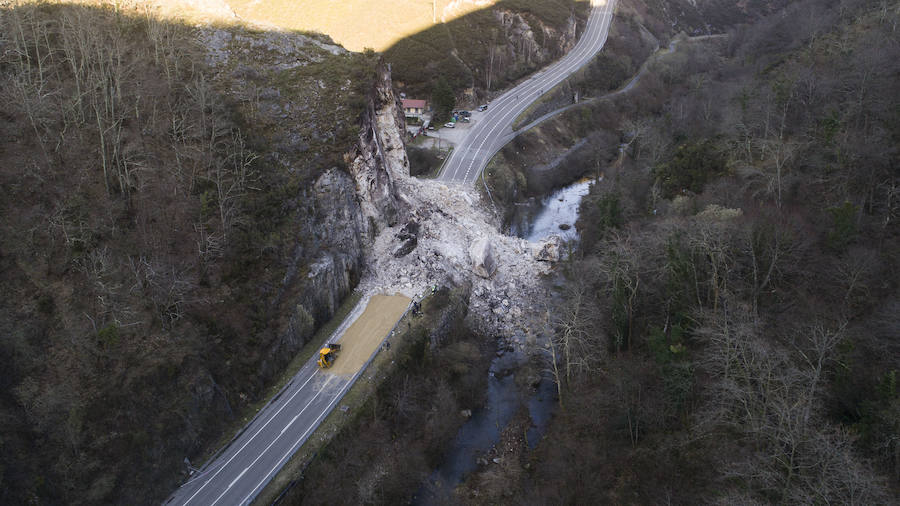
508,296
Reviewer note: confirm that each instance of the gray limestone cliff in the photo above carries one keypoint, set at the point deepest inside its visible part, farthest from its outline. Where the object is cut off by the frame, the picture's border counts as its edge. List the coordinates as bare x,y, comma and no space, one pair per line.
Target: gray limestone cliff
351,208
525,44
380,157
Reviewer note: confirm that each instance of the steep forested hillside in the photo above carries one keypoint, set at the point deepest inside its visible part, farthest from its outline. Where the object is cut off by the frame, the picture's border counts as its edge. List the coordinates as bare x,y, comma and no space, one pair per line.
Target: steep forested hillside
156,207
486,49
730,328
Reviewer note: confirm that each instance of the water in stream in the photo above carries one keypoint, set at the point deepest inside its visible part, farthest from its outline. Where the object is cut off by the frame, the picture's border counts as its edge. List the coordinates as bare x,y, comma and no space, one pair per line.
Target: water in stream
560,208
481,432
478,435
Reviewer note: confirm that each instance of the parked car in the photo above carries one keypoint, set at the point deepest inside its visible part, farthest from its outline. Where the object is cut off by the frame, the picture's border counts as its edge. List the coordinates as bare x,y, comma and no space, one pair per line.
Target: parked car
482,108
450,125
465,114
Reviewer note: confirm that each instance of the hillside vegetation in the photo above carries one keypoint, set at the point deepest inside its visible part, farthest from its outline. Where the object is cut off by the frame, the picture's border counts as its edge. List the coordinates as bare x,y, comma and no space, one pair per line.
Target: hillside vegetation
361,24
556,153
487,49
410,415
730,322
150,233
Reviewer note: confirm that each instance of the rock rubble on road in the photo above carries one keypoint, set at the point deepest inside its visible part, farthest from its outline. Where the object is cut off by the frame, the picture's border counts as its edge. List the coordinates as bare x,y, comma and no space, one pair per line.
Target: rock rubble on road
458,240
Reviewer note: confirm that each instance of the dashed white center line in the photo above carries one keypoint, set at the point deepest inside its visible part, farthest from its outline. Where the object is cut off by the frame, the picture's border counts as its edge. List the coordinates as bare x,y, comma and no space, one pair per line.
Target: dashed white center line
509,104
238,478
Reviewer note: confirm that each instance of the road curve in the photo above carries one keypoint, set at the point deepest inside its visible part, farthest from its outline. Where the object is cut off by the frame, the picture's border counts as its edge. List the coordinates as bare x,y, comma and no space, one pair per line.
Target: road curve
493,129
624,89
242,469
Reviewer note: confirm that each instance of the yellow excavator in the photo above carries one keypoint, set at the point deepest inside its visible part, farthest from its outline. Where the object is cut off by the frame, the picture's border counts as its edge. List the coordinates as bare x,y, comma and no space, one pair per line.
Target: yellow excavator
328,354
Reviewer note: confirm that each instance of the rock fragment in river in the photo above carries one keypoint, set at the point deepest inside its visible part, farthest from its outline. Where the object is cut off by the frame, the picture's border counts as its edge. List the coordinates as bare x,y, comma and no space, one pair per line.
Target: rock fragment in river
483,263
548,249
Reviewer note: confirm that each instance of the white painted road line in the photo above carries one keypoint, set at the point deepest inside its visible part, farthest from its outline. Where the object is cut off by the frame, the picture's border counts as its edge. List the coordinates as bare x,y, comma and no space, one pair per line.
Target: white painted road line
238,478
468,160
249,440
269,446
299,441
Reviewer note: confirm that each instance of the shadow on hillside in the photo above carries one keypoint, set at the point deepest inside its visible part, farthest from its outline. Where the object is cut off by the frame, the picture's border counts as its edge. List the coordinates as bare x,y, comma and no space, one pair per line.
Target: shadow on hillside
487,49
154,211
160,206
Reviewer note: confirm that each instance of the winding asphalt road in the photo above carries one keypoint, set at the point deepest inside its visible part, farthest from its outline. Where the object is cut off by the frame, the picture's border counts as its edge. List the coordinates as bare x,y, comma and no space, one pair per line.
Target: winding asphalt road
492,129
624,89
238,474
242,469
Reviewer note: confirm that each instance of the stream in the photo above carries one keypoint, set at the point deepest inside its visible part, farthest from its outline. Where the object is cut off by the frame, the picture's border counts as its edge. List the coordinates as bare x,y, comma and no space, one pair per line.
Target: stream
478,435
537,220
482,431
560,209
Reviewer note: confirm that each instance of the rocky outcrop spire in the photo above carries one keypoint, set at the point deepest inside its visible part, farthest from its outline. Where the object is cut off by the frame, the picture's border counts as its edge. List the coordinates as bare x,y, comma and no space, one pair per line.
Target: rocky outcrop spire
380,156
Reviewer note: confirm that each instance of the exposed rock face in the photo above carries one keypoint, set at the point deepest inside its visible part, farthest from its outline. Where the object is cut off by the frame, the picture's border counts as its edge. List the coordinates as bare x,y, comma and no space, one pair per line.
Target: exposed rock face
338,228
525,45
483,263
390,124
352,209
331,251
380,158
328,258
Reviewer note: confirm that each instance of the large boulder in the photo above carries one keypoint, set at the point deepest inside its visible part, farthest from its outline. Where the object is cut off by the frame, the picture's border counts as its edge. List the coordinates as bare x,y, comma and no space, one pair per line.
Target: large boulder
483,263
547,250
408,237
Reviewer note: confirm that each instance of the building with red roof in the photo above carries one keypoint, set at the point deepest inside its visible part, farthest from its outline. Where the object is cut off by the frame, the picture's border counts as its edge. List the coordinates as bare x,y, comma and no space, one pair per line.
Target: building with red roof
414,107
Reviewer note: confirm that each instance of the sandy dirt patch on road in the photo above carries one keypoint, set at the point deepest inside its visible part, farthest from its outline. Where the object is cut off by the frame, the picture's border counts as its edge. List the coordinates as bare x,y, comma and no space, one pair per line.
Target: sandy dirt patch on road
366,333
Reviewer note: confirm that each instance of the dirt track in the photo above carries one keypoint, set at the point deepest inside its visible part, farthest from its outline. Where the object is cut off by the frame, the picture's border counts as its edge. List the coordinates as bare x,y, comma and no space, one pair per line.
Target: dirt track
367,332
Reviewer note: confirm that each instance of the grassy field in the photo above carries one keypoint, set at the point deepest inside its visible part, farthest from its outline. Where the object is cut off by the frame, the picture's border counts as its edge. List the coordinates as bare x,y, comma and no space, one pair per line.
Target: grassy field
355,24
424,39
